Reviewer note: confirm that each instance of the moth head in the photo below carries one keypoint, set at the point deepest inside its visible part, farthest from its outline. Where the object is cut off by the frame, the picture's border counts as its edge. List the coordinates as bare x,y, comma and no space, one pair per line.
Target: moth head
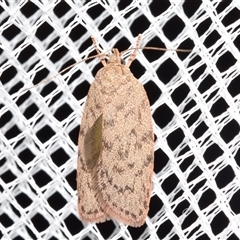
115,57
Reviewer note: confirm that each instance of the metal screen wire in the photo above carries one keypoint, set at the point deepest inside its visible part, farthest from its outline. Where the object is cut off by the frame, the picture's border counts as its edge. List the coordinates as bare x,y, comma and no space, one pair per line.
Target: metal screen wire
194,101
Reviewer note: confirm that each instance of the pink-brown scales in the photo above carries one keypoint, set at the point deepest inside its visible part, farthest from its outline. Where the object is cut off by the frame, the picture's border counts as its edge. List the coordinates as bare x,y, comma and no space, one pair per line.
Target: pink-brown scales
116,148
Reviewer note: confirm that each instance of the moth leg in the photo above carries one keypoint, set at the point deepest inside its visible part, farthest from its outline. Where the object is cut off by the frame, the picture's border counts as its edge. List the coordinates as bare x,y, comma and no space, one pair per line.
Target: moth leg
133,55
100,56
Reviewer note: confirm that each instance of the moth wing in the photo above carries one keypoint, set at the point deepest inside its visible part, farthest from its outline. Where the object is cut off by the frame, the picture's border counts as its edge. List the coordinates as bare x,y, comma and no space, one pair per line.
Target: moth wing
124,171
89,139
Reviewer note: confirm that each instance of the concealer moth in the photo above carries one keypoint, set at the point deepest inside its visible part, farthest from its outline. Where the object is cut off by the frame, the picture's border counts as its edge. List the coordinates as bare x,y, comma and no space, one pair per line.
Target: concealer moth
115,146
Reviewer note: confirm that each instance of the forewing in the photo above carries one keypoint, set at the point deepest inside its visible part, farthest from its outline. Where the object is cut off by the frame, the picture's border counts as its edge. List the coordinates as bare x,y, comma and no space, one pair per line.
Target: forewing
89,143
124,170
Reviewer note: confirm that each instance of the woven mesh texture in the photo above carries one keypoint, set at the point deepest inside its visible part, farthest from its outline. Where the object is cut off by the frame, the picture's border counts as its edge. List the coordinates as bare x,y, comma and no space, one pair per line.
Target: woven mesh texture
194,100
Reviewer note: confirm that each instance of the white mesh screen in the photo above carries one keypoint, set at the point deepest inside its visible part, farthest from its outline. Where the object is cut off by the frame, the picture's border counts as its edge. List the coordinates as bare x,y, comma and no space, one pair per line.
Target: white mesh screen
194,99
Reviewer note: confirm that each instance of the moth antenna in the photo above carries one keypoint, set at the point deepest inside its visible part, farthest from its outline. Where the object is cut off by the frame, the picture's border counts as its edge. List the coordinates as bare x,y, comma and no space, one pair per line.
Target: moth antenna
157,49
64,70
166,49
100,55
134,53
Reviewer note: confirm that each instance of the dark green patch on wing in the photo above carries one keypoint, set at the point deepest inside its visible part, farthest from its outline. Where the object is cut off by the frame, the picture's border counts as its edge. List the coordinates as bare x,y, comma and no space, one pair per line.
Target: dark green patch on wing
93,143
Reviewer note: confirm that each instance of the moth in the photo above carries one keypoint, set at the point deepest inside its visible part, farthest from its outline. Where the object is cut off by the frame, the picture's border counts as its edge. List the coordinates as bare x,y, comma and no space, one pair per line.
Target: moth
115,146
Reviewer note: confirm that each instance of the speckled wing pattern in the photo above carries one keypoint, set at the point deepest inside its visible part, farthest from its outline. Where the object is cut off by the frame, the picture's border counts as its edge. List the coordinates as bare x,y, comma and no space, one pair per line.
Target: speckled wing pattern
115,179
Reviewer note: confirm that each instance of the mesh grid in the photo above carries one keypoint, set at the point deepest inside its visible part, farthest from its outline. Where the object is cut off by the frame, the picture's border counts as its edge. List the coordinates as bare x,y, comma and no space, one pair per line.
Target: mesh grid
194,100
